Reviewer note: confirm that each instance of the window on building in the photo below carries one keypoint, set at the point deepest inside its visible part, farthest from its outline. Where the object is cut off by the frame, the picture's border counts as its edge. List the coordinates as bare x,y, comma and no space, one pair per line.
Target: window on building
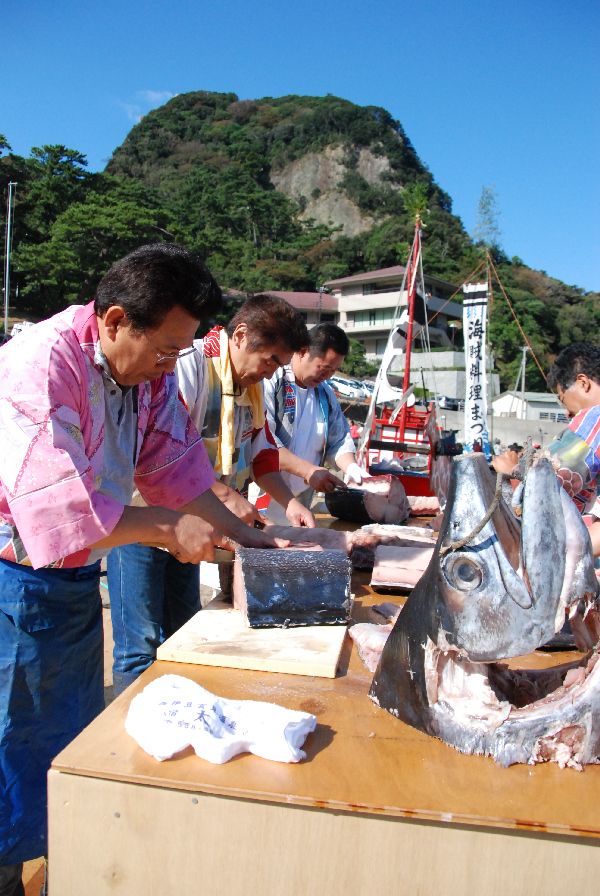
328,318
380,345
379,317
304,316
367,289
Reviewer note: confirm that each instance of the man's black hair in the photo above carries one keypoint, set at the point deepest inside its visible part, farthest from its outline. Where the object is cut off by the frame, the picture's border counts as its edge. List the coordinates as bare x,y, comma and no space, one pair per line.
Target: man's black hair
327,336
270,321
152,280
580,357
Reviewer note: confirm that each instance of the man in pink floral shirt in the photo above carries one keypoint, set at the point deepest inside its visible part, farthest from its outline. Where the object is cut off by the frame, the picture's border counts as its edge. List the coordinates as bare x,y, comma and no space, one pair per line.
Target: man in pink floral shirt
89,410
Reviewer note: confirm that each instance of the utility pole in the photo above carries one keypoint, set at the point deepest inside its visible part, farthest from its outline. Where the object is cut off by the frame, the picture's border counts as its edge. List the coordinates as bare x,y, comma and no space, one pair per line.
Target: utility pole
524,349
521,379
491,356
7,254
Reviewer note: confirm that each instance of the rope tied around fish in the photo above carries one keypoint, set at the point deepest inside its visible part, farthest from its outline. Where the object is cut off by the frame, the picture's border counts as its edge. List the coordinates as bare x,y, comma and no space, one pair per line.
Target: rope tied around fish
457,545
525,464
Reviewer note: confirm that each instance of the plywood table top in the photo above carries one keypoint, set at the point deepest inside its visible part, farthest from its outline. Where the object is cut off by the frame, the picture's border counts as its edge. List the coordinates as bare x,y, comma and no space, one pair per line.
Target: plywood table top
360,758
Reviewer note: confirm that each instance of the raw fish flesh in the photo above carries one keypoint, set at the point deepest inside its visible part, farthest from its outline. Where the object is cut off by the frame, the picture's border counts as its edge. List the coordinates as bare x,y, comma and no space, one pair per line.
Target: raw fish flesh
370,640
327,538
497,594
399,567
291,586
379,499
360,544
365,541
421,506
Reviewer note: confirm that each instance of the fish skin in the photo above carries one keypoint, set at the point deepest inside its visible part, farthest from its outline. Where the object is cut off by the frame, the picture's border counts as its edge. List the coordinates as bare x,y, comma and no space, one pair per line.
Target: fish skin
580,583
544,542
498,618
288,588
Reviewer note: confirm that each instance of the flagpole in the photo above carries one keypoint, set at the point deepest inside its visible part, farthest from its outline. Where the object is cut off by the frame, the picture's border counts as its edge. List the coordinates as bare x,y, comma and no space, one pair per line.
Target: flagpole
411,280
7,255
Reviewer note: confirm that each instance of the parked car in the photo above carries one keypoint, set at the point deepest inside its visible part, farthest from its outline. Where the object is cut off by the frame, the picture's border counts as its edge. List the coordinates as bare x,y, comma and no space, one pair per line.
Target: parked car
449,404
367,388
345,387
361,387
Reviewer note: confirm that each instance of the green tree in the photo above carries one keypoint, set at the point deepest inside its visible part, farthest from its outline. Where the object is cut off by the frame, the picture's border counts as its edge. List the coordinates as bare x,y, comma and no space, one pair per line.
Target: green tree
416,200
85,240
355,363
56,177
487,226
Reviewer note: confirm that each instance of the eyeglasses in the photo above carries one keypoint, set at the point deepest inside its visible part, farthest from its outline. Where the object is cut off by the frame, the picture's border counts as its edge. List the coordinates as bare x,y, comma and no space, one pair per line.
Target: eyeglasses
173,356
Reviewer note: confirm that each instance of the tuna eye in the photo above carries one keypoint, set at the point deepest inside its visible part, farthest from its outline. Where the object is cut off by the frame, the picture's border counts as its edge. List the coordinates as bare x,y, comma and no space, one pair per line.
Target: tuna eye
463,573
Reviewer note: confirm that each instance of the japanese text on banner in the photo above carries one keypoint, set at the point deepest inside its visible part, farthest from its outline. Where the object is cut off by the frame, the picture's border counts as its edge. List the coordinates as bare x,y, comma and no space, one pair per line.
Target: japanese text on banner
475,326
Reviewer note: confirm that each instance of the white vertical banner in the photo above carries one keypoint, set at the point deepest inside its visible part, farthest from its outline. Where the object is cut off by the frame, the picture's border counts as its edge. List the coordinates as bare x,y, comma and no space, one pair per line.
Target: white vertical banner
475,327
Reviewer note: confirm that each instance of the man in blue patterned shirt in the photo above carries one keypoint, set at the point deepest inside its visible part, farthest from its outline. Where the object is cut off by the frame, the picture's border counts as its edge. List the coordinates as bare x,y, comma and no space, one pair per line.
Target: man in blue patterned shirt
307,422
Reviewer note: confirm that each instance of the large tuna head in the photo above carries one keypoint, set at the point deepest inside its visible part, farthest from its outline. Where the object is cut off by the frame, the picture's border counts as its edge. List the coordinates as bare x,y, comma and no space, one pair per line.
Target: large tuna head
497,595
490,596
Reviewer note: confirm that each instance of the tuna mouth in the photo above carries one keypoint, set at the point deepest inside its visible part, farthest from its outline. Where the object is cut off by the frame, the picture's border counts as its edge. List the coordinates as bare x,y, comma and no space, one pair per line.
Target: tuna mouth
485,700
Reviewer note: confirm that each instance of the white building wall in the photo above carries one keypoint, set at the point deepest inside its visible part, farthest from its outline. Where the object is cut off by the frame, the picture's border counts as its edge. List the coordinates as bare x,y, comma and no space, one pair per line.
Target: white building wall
433,359
538,409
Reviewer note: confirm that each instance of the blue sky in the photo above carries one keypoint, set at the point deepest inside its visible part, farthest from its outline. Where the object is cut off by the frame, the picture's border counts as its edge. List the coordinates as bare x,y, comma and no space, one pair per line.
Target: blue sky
502,93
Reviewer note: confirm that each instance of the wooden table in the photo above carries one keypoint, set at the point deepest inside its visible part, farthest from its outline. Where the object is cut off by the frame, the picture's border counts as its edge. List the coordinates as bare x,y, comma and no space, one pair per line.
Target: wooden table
376,808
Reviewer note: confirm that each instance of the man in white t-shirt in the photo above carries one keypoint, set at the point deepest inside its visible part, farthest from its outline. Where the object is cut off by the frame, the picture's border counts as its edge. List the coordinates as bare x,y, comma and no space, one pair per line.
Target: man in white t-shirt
307,422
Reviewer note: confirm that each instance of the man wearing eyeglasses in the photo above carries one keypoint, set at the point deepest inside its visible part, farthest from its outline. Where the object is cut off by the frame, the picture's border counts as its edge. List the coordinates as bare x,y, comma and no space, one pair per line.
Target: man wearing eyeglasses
576,376
307,420
89,408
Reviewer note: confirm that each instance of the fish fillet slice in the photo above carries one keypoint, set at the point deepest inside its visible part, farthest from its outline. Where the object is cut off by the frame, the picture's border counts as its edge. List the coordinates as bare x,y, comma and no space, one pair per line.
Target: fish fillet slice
329,539
370,640
379,499
400,567
366,540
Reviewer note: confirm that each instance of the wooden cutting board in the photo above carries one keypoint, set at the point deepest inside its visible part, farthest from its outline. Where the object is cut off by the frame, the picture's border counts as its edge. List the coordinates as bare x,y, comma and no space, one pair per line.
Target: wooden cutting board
216,636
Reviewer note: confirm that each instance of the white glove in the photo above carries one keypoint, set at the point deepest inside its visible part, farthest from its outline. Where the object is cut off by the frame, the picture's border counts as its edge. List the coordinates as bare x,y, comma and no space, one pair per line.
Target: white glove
353,471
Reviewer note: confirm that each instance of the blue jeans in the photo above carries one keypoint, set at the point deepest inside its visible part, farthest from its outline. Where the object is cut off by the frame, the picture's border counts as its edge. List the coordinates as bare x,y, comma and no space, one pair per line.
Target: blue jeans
51,687
151,596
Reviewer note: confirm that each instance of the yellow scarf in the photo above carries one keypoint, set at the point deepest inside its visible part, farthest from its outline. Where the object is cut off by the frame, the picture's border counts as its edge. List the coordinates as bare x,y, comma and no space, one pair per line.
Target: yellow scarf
252,396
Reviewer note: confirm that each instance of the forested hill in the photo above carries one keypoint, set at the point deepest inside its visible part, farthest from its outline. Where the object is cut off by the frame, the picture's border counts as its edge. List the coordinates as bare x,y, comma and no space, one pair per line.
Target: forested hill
309,188
275,194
